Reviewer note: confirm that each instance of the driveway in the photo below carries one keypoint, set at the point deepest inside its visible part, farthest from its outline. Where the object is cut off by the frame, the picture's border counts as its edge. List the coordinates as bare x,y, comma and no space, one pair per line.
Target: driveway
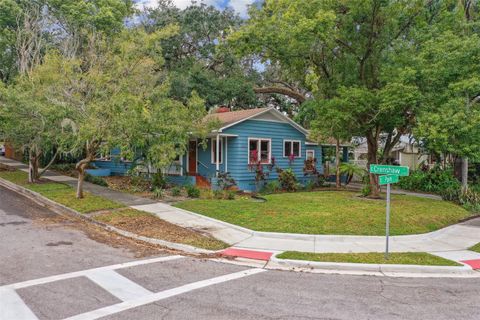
55,268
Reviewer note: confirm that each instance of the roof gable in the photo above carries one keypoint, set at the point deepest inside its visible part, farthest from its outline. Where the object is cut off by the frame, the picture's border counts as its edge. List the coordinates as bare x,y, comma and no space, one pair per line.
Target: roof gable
230,119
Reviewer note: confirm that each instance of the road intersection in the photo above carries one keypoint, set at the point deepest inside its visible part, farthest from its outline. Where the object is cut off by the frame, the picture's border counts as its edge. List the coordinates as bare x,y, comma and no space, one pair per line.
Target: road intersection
52,268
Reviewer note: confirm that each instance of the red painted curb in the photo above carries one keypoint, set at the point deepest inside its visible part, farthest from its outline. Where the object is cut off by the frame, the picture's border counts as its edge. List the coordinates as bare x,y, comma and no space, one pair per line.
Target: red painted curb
250,254
475,264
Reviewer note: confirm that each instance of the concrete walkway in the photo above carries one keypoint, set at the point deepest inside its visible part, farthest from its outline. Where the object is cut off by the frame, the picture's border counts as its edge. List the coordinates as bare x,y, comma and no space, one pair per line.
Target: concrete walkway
458,237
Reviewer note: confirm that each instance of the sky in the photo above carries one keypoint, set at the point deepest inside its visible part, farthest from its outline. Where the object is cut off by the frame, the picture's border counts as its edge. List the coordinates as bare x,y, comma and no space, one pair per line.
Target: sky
239,6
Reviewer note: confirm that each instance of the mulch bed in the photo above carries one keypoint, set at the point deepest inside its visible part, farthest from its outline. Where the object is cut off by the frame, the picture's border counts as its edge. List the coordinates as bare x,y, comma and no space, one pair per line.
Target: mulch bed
148,225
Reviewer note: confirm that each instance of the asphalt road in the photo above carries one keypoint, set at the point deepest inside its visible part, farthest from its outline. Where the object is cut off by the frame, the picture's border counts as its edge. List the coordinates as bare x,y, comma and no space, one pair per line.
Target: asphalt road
56,268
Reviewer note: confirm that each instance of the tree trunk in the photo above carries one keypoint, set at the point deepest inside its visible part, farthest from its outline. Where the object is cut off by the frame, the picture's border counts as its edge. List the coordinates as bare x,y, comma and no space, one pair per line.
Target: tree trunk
372,145
284,91
33,165
41,172
91,150
81,166
81,178
464,173
337,164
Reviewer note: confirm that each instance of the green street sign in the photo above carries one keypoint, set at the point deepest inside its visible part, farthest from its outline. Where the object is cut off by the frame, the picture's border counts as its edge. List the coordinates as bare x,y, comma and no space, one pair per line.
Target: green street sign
390,178
383,169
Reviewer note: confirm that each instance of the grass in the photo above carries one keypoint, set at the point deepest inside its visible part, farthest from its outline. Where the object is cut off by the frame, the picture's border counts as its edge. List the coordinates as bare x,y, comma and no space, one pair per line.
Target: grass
412,258
475,248
331,212
148,225
132,220
61,193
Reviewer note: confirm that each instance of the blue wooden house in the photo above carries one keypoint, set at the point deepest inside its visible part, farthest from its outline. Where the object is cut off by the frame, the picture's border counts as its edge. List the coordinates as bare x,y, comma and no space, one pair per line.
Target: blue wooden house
245,140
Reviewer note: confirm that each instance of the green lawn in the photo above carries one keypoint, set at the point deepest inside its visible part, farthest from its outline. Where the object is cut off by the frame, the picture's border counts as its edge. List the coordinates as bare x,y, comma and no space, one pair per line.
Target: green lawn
475,248
331,212
61,193
416,258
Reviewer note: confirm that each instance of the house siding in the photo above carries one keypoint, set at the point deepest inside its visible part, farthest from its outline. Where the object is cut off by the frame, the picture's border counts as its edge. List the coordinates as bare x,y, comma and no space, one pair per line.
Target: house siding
205,167
277,132
117,167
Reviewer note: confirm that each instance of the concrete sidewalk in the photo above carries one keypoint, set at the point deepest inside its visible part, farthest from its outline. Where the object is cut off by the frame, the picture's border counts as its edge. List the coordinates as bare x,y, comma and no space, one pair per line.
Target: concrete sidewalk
458,237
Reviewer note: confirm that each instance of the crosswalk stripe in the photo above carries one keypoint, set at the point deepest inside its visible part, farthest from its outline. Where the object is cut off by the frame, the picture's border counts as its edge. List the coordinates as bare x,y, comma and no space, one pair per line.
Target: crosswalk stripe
118,285
12,306
76,274
116,308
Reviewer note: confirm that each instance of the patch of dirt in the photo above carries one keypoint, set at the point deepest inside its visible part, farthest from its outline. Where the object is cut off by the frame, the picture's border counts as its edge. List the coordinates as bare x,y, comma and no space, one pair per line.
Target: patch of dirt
138,248
136,186
4,167
148,225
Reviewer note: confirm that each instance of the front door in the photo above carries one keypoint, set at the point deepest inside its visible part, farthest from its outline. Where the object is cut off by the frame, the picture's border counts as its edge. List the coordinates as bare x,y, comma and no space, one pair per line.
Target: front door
192,158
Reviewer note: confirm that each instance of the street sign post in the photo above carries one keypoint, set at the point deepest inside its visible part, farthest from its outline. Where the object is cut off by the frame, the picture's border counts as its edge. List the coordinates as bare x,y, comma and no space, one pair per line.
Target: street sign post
388,175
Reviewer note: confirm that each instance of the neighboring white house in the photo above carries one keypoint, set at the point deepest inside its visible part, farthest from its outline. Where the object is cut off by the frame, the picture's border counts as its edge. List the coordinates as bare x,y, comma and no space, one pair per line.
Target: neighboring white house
405,153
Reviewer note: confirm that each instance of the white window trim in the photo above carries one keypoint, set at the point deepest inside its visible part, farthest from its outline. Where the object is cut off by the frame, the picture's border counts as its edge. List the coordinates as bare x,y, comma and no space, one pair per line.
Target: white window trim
307,151
291,146
269,149
212,154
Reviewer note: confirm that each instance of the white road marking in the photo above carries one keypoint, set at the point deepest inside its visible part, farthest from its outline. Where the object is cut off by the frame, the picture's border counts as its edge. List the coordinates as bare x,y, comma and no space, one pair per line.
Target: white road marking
119,286
12,306
116,308
76,274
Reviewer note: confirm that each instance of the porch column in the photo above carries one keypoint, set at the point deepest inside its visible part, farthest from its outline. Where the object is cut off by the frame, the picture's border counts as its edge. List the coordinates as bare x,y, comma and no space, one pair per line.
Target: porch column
217,156
226,154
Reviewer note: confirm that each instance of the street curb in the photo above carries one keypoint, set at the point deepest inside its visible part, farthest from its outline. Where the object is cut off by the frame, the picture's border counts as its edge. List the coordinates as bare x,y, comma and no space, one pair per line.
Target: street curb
305,237
375,269
63,210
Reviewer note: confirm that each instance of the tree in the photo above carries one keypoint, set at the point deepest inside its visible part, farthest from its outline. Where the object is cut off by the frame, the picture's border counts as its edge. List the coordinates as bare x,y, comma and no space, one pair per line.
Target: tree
197,58
33,120
118,97
350,50
330,119
450,65
9,10
60,24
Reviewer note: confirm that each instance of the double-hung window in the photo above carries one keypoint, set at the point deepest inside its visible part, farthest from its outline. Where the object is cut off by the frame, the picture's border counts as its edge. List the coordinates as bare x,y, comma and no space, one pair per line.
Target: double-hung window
214,150
259,150
291,147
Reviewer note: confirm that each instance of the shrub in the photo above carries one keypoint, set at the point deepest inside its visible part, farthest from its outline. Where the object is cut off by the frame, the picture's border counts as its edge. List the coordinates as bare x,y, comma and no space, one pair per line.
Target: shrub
158,193
207,194
230,195
96,180
351,170
193,191
310,185
224,194
225,181
435,180
176,191
271,187
469,199
287,179
159,181
218,194
366,190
